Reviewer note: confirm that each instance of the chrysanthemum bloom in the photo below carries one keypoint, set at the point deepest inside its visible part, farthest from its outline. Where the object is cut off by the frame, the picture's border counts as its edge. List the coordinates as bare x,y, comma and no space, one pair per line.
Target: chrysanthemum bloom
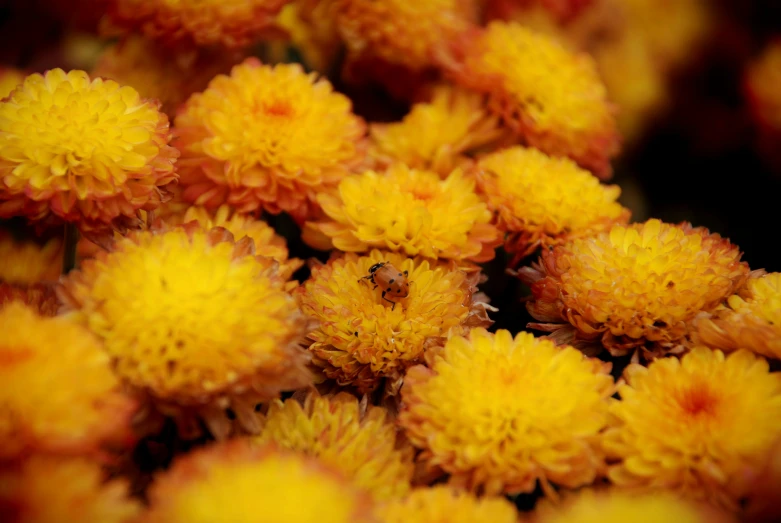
762,81
751,320
401,32
410,211
48,489
240,483
10,79
362,338
86,151
230,24
554,98
436,135
500,414
311,27
28,262
195,322
57,391
544,201
637,286
267,137
696,425
357,439
442,504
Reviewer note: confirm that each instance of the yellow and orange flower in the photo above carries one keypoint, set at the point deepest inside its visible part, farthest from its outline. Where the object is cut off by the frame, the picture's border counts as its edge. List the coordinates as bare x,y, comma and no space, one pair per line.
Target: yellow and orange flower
10,79
697,426
442,504
358,439
267,137
86,151
28,262
763,87
500,414
634,287
57,391
545,201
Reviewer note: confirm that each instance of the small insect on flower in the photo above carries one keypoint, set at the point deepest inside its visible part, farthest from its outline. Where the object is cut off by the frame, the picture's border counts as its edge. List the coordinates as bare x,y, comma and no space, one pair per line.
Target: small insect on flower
392,281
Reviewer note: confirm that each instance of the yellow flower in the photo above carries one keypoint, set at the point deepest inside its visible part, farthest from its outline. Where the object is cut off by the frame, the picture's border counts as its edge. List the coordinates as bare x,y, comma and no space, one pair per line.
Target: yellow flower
637,286
237,482
84,150
57,391
10,79
409,211
362,338
357,439
436,135
266,137
751,320
762,80
553,97
27,262
499,414
47,489
441,504
195,321
544,201
311,26
696,426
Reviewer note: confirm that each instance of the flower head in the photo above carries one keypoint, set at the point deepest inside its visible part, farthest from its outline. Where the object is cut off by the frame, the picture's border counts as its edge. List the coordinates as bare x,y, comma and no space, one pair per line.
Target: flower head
10,79
238,482
544,201
636,286
85,408
266,137
83,150
195,321
48,489
409,211
442,504
28,262
363,338
762,80
498,414
695,425
357,439
553,97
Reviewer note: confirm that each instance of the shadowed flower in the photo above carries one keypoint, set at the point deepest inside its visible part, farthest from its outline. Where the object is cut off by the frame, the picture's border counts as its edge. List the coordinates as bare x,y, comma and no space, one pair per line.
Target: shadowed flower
266,137
86,151
637,286
560,10
500,414
10,79
697,426
442,504
311,28
28,262
762,81
40,297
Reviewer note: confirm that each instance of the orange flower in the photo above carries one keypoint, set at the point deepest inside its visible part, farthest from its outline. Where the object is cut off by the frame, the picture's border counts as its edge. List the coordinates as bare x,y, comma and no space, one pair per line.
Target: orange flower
762,82
27,262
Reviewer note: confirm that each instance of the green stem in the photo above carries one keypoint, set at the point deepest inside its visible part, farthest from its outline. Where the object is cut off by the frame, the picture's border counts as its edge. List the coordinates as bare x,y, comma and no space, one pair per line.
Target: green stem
69,252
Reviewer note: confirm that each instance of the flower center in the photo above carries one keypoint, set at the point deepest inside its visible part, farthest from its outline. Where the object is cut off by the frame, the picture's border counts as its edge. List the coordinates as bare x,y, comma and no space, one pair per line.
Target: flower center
699,400
11,356
278,108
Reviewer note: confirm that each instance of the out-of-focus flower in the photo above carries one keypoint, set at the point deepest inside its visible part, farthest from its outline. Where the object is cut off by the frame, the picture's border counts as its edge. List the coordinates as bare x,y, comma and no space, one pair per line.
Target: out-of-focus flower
560,10
28,262
195,322
48,489
267,137
410,211
696,425
544,201
10,79
357,439
500,414
553,97
57,391
86,151
40,297
311,27
751,320
362,338
442,504
637,286
763,87
436,135
240,483
762,504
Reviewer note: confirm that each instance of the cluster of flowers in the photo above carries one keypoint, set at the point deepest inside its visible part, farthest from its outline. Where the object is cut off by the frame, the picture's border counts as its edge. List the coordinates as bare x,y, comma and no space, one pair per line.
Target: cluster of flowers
371,391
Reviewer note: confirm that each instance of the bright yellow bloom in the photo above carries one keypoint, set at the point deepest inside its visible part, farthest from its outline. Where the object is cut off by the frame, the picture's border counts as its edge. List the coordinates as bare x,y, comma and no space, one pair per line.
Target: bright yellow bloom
27,262
637,286
550,95
84,150
57,391
362,338
195,321
267,137
311,26
441,504
499,414
40,297
763,83
751,320
357,439
436,135
46,489
10,79
409,211
697,426
543,201
240,483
